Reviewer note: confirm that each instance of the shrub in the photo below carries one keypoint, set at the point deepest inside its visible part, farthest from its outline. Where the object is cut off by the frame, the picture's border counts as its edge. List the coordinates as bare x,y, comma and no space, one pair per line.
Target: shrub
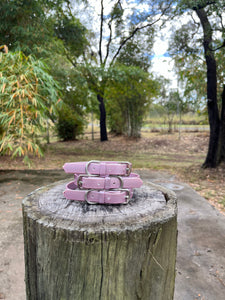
70,124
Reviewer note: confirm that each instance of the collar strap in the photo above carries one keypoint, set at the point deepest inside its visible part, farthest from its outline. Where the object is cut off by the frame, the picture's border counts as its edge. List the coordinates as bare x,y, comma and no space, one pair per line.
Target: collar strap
121,196
84,181
101,168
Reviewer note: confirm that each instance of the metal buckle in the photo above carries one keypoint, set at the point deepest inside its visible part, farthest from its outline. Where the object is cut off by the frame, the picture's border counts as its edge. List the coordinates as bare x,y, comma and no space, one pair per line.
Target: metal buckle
87,165
121,182
79,179
86,197
127,197
128,169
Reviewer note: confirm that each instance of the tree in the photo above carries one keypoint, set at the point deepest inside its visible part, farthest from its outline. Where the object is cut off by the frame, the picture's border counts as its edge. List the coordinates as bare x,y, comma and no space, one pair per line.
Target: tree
71,32
129,93
173,105
118,23
72,114
71,117
24,25
28,95
169,102
33,27
136,53
210,21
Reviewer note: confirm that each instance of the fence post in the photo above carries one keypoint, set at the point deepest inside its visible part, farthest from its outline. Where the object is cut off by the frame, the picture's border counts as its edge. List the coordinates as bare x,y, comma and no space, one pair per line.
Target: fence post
78,251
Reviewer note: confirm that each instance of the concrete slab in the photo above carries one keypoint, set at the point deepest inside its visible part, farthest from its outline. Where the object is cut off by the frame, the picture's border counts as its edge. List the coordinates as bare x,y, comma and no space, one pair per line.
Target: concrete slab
201,242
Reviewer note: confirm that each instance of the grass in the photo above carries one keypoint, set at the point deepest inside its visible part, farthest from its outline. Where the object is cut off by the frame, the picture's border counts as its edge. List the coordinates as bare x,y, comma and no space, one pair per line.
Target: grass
186,119
189,122
222,201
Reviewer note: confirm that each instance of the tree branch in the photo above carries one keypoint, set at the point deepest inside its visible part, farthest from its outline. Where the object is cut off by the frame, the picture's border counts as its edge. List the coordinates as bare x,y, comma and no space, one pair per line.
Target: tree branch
101,30
134,32
221,20
69,7
201,6
207,30
222,46
69,58
110,34
193,19
109,42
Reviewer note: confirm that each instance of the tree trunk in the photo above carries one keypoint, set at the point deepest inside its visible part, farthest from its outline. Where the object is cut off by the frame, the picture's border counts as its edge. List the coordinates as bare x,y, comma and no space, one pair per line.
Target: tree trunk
213,112
170,126
221,152
103,130
76,251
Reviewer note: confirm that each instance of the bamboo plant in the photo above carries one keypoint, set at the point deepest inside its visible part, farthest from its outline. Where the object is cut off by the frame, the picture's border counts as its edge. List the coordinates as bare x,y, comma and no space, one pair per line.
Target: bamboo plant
28,95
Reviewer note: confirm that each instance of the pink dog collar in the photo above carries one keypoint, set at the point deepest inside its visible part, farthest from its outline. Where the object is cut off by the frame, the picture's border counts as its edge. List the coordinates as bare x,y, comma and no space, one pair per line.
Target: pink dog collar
104,182
85,181
101,168
121,196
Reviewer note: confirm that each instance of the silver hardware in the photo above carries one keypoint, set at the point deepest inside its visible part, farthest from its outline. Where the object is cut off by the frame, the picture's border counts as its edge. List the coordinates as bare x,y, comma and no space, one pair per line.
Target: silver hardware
87,165
120,179
128,169
79,179
127,197
86,197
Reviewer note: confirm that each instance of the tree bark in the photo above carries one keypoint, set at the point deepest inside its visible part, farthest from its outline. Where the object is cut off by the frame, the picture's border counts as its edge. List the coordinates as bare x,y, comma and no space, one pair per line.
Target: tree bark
221,152
76,251
213,112
103,129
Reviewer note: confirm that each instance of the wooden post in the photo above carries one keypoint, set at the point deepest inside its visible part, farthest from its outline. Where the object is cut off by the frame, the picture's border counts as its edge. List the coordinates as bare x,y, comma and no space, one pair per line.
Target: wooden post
113,252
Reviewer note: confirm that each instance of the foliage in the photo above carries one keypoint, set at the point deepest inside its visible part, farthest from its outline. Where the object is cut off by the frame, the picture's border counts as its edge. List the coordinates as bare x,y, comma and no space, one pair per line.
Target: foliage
172,106
73,35
212,6
191,67
44,28
129,93
136,53
24,25
72,116
70,124
117,27
187,41
208,35
192,75
28,95
77,99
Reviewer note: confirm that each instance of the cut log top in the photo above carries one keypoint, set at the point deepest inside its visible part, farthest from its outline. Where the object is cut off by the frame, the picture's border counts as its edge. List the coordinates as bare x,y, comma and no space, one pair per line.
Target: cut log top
148,206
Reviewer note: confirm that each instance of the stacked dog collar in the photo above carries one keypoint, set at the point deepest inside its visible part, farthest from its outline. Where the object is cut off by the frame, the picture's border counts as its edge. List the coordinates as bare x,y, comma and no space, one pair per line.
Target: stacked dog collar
104,182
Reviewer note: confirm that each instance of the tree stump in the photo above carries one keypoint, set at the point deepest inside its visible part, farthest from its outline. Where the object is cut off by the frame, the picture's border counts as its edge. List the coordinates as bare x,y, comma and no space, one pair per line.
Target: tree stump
74,250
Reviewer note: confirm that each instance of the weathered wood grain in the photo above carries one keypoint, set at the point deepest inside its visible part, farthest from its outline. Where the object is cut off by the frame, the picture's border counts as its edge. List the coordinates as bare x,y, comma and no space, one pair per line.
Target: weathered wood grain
78,251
